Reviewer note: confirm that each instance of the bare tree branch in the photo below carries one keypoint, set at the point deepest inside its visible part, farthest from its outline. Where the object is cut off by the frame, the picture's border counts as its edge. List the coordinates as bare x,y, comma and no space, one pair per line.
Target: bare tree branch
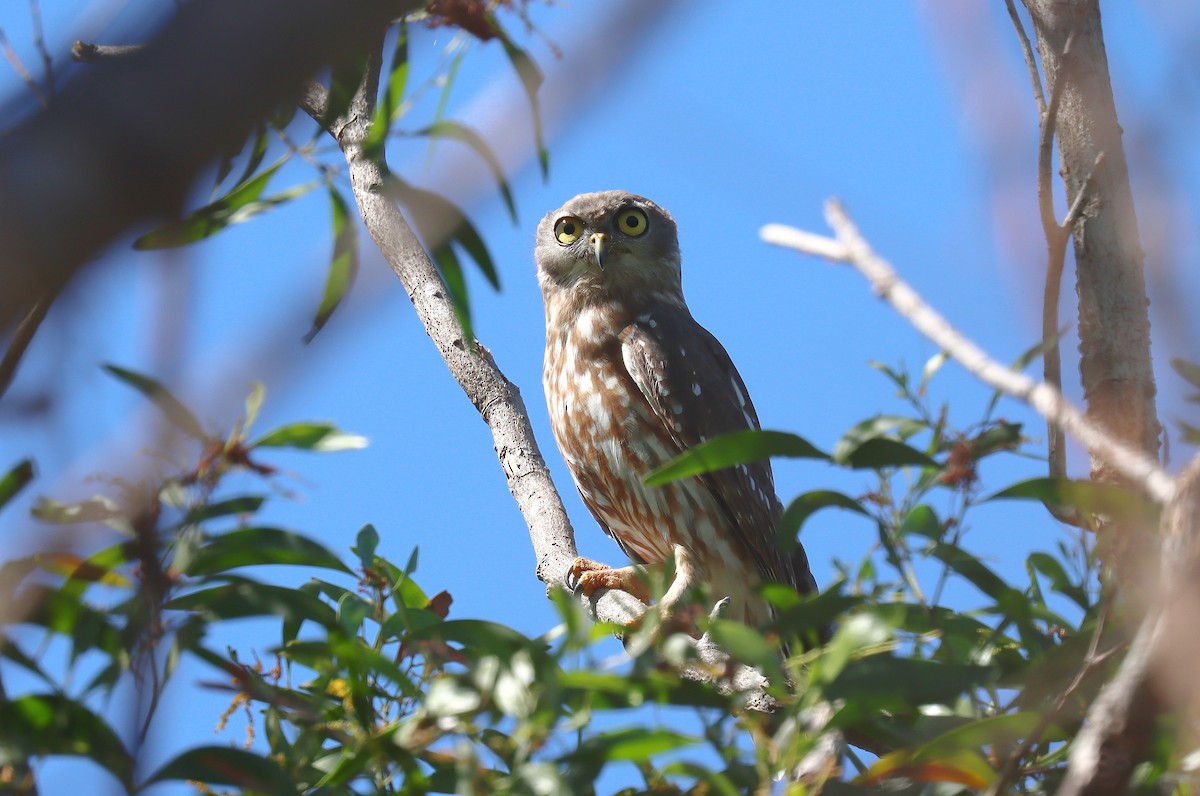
498,400
1030,61
87,53
850,247
1056,255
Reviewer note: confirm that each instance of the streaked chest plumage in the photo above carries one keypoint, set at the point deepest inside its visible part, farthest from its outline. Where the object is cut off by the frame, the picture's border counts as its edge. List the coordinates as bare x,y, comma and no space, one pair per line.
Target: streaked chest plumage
610,438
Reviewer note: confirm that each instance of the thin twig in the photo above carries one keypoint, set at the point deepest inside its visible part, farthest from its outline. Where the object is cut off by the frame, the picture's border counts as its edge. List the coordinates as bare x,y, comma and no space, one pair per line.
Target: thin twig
1030,61
23,335
850,247
1056,255
1049,119
1081,199
19,67
39,41
1092,660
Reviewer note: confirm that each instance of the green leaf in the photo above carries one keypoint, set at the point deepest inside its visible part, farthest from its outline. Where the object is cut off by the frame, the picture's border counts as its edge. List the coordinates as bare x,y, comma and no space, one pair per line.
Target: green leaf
344,78
388,108
440,221
805,505
226,765
97,509
1060,581
1188,371
1088,497
456,284
531,78
952,756
242,203
64,613
16,479
962,767
974,570
170,406
459,132
323,437
448,83
254,402
881,452
39,725
343,266
633,743
243,504
257,152
478,637
245,598
352,611
1003,730
883,682
903,427
748,645
923,521
857,633
899,378
1022,362
717,781
729,450
1001,436
931,368
365,545
409,620
247,547
810,615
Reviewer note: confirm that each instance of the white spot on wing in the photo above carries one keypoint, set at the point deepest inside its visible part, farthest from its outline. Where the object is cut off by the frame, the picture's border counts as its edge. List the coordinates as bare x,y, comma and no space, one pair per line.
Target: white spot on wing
696,389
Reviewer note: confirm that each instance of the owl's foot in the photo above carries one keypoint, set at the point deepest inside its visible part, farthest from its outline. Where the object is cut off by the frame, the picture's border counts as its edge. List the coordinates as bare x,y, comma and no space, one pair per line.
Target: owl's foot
590,576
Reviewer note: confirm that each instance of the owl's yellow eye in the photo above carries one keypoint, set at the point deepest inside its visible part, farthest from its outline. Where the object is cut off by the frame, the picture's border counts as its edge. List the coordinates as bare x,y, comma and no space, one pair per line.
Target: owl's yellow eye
567,230
632,222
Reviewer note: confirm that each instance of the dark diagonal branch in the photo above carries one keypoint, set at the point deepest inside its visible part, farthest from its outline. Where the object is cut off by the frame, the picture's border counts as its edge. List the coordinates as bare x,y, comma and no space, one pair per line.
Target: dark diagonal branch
22,337
123,143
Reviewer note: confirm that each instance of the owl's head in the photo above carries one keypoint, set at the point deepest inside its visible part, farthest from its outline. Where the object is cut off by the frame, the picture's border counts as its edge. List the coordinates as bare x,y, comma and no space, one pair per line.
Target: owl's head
611,244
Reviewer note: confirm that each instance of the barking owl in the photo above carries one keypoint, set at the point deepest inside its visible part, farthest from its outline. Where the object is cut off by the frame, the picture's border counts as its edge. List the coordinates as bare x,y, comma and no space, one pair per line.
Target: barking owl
632,381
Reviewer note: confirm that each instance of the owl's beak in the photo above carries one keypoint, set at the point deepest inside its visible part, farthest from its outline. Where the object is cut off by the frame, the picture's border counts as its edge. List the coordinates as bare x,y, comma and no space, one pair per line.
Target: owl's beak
600,247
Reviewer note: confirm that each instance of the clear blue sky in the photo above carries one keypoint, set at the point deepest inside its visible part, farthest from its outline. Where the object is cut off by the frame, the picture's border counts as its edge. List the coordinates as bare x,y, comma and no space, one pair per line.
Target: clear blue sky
917,115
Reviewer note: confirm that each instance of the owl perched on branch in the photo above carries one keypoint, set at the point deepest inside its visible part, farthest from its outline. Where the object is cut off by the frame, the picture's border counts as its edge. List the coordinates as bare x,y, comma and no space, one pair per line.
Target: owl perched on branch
631,382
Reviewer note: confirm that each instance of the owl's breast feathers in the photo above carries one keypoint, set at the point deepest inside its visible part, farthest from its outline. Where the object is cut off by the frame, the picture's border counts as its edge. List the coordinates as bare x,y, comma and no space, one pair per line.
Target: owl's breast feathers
631,390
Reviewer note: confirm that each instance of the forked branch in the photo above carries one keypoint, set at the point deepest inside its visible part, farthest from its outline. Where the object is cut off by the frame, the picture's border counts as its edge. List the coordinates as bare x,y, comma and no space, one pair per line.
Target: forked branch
848,246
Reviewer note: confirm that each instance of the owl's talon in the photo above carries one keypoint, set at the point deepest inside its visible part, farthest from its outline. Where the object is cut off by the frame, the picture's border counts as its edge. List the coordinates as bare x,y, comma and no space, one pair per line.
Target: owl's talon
577,572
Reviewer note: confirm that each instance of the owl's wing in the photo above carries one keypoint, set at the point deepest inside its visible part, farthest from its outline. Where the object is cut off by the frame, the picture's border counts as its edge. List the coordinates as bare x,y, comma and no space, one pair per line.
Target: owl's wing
697,394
